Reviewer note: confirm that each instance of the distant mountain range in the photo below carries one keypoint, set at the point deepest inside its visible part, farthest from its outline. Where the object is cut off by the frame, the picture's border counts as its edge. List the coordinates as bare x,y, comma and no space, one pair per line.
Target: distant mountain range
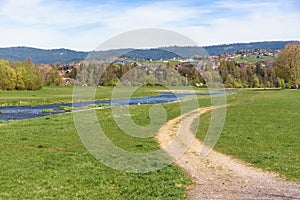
41,56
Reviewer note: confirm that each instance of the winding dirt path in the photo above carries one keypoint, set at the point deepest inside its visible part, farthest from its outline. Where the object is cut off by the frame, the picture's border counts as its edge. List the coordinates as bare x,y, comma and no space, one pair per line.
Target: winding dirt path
219,176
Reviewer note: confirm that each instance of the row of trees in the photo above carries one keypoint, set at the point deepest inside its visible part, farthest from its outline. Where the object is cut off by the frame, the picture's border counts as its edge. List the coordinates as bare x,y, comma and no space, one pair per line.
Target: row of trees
19,76
128,74
23,75
253,75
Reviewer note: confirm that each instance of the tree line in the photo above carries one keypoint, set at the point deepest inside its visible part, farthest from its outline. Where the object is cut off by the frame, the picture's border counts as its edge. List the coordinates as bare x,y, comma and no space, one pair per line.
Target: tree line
23,75
284,72
249,76
129,74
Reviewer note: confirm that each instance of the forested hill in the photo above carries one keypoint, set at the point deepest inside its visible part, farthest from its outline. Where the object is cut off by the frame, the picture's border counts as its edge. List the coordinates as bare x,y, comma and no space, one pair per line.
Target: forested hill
41,56
228,48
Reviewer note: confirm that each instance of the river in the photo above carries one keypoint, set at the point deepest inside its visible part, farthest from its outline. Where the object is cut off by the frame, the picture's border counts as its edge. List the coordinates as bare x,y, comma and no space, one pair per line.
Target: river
25,112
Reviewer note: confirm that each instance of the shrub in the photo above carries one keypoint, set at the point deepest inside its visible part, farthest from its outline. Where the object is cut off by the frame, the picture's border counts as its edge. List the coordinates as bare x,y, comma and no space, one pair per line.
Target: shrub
65,108
48,111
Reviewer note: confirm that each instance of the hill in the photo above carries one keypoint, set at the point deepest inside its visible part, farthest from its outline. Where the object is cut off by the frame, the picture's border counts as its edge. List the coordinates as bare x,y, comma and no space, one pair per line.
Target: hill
228,48
42,56
154,54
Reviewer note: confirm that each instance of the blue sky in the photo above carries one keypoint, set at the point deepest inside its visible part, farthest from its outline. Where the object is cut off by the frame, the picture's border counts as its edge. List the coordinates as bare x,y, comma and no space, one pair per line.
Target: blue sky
84,25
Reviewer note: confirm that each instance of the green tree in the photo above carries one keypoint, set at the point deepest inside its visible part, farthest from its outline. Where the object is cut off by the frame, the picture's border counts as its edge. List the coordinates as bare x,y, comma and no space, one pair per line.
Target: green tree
27,74
223,69
255,82
288,64
7,76
20,76
54,78
229,82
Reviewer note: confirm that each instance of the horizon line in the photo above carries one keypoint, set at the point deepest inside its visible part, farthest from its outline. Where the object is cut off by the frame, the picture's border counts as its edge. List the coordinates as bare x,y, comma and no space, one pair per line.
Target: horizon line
146,48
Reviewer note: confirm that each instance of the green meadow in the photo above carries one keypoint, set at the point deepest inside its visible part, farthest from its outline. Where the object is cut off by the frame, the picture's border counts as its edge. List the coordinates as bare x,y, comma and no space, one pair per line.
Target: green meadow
262,127
44,158
60,94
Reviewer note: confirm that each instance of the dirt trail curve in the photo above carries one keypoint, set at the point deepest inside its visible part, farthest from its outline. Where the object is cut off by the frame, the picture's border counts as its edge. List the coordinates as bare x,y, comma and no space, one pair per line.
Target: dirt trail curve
219,176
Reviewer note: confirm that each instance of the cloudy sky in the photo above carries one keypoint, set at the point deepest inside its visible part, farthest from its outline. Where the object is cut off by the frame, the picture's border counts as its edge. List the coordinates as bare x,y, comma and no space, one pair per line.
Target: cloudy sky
85,24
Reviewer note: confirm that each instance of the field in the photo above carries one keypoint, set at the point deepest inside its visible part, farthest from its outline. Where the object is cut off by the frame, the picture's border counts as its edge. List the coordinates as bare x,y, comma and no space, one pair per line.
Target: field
52,95
262,128
253,59
44,158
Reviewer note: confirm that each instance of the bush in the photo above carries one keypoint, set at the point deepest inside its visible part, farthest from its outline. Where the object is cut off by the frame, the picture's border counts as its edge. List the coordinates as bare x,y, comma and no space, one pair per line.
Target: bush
48,111
66,108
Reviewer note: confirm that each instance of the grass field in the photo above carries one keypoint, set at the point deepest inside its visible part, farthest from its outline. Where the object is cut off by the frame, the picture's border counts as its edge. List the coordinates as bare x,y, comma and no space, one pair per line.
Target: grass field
44,158
262,128
52,95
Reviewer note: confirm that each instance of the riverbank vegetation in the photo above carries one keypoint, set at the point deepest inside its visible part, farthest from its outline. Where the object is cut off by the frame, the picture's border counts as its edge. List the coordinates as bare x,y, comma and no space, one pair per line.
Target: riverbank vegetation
19,76
23,75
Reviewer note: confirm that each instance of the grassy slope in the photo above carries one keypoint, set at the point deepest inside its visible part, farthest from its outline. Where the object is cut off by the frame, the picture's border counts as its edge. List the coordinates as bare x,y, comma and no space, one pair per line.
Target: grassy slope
262,128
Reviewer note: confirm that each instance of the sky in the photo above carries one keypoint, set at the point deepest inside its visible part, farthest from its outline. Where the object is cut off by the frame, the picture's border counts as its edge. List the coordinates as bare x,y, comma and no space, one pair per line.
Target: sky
86,24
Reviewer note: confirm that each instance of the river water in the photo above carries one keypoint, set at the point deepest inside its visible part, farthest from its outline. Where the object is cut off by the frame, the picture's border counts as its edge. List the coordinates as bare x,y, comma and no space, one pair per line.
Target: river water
25,112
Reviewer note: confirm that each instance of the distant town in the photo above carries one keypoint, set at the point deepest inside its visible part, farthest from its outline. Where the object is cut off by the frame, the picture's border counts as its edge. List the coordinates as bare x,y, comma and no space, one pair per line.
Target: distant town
242,65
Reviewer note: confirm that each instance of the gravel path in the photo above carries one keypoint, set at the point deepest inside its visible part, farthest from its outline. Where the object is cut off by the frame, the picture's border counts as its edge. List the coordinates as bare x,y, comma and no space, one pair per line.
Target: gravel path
219,176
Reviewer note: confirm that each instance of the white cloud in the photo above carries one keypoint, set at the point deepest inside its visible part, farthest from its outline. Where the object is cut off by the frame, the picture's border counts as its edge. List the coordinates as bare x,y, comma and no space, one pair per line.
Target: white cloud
258,22
72,24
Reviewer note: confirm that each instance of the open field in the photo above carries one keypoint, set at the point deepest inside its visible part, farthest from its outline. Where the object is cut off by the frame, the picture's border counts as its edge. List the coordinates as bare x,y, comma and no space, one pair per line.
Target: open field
52,95
44,157
253,59
46,95
262,128
61,94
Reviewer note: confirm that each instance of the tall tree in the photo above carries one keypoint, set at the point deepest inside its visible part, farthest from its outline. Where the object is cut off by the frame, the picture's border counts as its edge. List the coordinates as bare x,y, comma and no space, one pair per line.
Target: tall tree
7,76
54,78
288,64
20,75
27,73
